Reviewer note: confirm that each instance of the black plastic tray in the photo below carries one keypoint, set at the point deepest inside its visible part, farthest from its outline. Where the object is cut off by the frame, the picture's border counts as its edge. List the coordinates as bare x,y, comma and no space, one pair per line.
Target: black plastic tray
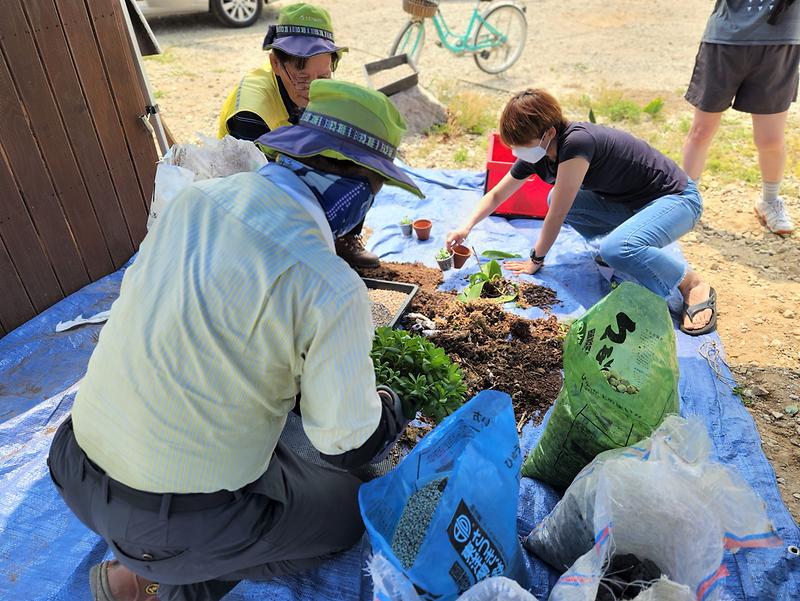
409,289
384,64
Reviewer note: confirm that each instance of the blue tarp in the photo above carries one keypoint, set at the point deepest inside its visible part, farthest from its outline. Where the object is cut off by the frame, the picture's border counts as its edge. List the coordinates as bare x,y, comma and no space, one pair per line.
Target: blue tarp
45,553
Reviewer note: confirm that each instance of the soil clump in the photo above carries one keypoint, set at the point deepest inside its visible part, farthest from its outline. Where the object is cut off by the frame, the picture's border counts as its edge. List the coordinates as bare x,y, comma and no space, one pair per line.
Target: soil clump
495,349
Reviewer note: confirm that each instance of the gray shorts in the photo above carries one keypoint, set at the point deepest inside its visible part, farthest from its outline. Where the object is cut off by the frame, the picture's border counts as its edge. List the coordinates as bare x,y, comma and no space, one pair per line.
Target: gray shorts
760,80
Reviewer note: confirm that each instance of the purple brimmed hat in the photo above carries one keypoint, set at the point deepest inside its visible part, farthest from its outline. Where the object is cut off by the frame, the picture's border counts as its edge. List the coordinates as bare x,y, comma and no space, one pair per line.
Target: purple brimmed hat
303,30
348,122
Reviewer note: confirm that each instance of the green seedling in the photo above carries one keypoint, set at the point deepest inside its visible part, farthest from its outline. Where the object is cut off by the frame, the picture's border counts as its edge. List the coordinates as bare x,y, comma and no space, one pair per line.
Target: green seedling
499,254
405,220
443,254
421,373
489,283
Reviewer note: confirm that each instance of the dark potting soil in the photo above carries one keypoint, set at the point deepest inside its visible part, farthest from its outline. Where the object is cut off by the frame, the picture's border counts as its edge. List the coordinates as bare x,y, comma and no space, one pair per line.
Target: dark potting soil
626,577
495,349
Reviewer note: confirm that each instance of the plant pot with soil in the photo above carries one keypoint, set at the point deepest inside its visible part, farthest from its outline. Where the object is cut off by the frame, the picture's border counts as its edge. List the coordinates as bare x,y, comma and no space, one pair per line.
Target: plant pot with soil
445,259
422,227
460,255
405,226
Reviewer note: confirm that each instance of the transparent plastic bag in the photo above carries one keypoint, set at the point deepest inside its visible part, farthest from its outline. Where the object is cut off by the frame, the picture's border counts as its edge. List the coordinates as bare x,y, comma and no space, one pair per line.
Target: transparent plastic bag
171,180
188,163
217,158
663,499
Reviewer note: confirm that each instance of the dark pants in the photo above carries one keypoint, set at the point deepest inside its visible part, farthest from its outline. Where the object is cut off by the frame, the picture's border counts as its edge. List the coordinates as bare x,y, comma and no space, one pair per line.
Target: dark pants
289,520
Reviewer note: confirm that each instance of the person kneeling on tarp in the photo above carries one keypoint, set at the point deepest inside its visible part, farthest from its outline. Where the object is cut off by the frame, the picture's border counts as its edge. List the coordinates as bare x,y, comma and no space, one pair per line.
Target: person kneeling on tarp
235,304
607,183
302,50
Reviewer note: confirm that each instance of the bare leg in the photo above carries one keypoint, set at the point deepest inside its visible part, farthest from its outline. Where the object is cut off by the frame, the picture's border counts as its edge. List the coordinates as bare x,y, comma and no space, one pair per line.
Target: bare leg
769,139
695,290
698,141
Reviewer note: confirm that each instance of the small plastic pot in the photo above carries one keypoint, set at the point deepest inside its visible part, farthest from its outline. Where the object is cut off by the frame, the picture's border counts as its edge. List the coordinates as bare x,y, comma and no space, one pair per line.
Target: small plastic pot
422,227
406,228
460,255
445,264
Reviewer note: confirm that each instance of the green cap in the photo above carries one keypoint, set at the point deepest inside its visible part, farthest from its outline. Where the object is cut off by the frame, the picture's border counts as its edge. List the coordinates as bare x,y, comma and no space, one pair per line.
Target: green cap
302,30
346,121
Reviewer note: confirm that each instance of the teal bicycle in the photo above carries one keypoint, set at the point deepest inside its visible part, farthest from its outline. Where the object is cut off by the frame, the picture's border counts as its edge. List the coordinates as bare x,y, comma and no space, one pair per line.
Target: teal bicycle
495,37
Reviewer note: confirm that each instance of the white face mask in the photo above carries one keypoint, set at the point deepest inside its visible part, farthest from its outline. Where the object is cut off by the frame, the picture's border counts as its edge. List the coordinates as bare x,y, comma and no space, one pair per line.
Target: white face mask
531,154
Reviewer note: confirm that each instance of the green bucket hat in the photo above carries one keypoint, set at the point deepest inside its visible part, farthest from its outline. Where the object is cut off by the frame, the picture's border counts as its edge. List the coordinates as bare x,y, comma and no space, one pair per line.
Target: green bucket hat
349,122
303,30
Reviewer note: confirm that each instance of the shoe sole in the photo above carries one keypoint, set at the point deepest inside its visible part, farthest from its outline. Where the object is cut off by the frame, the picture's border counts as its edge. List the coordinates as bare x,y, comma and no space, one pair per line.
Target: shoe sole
763,222
98,583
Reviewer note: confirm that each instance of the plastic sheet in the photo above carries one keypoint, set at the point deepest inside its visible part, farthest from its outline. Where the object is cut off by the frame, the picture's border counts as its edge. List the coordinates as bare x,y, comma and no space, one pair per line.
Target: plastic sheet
45,553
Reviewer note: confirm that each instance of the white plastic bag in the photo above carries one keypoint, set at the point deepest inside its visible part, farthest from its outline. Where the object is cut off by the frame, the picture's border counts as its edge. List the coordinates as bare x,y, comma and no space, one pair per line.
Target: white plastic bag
217,158
663,499
187,163
170,181
389,584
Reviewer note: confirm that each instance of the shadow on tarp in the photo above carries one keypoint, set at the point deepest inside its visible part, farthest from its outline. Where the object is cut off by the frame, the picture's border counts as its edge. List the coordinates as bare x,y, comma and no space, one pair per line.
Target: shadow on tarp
46,552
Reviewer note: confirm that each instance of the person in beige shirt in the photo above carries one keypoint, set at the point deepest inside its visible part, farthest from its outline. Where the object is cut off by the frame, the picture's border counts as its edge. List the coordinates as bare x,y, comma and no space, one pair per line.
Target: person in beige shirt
235,305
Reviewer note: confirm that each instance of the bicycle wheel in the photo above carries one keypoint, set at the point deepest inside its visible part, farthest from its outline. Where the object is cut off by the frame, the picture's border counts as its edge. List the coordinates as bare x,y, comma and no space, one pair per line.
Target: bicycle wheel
501,37
410,40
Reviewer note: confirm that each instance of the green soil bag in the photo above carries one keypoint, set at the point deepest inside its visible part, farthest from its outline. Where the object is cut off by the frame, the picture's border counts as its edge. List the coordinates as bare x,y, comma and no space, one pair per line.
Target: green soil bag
620,382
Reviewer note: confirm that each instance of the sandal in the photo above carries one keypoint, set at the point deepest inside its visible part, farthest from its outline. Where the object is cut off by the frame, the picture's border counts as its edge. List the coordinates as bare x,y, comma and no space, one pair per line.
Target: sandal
691,310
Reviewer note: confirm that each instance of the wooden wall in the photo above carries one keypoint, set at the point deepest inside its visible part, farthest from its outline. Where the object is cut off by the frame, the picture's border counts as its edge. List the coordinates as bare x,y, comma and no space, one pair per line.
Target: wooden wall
76,163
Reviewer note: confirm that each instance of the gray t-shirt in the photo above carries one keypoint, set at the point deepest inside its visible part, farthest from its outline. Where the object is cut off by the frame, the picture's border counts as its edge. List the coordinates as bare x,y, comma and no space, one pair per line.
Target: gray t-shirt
744,23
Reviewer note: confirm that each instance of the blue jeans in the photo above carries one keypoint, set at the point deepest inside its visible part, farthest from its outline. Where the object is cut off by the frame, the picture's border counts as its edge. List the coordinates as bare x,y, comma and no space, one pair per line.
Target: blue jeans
634,238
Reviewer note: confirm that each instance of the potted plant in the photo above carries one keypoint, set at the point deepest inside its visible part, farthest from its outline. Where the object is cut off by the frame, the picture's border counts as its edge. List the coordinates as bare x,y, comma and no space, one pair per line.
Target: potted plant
445,259
422,227
405,226
460,255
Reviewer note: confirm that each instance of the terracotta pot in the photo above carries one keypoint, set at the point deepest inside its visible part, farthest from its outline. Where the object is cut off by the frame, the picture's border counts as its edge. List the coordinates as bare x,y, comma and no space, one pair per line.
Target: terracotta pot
406,229
460,255
445,264
423,228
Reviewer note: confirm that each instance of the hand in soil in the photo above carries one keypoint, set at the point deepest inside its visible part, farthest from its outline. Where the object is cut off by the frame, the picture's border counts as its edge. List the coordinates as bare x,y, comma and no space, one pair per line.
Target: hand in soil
521,267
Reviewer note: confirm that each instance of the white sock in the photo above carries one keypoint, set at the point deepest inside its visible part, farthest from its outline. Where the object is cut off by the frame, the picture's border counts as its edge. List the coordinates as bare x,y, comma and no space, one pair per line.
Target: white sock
769,191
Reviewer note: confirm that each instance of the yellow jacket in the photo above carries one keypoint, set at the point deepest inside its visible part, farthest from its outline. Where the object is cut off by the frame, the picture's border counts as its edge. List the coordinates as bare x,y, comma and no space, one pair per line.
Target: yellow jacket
257,93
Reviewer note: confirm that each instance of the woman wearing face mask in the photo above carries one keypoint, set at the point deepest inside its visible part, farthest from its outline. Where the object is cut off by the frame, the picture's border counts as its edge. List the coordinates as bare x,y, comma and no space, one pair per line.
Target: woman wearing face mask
606,183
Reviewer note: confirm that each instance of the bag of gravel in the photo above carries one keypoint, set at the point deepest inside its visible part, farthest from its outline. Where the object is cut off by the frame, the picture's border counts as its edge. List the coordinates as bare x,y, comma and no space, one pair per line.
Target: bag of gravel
620,381
651,522
445,517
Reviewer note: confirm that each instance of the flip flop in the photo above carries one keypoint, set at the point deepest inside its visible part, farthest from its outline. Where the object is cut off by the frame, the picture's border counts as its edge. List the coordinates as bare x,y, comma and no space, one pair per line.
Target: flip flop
691,310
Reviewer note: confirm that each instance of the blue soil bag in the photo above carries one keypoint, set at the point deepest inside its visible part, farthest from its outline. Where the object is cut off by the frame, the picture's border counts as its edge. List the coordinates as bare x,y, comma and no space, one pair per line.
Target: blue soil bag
472,534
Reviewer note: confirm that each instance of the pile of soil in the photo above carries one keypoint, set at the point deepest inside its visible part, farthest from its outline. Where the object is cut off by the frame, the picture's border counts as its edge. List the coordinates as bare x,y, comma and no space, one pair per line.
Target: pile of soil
495,349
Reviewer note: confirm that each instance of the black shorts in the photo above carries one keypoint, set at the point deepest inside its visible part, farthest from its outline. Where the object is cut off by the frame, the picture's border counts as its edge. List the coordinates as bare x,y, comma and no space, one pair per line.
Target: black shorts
760,80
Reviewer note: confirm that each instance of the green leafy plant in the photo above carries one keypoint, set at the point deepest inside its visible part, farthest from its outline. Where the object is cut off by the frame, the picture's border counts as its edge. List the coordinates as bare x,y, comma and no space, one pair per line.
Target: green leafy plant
489,284
592,118
421,373
654,107
443,254
460,155
405,220
499,254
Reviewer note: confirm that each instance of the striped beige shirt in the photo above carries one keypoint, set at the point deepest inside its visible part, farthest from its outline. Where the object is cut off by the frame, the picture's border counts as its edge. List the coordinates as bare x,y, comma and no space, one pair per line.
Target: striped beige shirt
235,304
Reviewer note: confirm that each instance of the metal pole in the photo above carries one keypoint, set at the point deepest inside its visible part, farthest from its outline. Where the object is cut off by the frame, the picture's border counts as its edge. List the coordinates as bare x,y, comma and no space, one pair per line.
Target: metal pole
151,116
